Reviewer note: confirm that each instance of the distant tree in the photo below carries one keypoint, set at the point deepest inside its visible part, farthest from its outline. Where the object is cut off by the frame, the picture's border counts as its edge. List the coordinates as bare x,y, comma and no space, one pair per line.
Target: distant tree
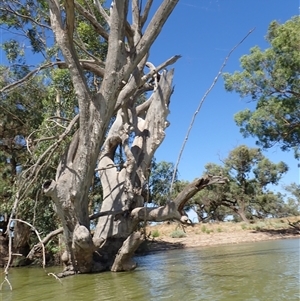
208,203
160,182
293,199
246,194
271,78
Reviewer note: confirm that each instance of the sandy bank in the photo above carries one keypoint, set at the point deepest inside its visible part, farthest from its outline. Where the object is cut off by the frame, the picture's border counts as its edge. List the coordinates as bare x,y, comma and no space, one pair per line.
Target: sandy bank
172,236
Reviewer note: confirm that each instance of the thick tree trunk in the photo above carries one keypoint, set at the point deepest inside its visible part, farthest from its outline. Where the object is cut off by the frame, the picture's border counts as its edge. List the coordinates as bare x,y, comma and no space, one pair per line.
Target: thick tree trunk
77,235
124,186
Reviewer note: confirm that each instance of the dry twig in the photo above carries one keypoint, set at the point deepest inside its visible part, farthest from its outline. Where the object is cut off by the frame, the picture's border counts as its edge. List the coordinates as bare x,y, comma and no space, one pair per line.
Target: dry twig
201,103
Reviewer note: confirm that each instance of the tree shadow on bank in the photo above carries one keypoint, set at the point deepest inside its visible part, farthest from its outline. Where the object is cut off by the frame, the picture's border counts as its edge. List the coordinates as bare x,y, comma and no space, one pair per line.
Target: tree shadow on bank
279,232
151,246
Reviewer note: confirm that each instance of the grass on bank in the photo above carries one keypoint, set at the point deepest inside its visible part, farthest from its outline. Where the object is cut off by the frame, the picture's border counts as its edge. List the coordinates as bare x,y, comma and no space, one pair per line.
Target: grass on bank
176,231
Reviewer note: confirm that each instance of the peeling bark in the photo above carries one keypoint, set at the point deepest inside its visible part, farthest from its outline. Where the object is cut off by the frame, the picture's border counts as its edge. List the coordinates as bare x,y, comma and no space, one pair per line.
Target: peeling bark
125,77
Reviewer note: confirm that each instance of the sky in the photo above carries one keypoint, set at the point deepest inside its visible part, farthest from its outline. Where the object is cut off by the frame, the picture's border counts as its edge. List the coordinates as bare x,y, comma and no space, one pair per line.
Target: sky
203,32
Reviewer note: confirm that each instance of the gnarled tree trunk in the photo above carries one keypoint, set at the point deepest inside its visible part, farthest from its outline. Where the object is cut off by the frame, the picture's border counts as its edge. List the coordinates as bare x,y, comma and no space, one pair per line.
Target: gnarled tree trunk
137,128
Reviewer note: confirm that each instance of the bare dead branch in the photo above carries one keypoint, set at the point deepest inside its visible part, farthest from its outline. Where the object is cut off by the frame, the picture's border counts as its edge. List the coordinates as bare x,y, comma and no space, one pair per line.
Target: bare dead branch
5,281
89,65
197,185
15,116
43,242
9,257
38,236
96,67
49,236
10,247
105,213
201,103
129,89
154,70
153,29
146,12
107,167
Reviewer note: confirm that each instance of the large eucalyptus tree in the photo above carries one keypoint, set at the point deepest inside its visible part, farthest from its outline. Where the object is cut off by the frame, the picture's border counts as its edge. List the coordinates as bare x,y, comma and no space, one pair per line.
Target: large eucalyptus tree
110,117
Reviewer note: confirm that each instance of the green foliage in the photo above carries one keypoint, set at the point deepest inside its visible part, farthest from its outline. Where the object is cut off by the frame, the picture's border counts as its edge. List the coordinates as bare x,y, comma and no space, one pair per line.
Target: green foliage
203,229
271,78
12,50
160,182
155,233
292,205
21,113
246,194
39,110
178,234
244,226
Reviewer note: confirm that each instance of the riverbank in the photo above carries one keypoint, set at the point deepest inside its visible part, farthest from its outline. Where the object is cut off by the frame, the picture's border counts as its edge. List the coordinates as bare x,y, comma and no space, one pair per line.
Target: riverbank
172,236
168,236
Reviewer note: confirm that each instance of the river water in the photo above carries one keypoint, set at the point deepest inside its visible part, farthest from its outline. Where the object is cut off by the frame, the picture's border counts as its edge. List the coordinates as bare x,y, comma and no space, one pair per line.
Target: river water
260,271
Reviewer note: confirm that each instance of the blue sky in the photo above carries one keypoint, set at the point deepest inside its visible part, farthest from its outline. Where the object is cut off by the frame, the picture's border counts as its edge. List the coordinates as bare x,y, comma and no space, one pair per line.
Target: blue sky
203,32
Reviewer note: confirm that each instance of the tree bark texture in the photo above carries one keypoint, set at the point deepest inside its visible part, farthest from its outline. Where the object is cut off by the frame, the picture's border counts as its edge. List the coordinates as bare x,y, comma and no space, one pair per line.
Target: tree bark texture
137,129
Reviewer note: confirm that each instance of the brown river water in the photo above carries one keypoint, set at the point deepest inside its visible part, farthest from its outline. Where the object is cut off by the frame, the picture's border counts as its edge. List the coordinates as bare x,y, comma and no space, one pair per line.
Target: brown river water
260,271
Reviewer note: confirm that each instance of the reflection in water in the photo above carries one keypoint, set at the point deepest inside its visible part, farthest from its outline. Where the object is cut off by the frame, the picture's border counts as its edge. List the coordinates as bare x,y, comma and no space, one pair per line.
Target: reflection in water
260,271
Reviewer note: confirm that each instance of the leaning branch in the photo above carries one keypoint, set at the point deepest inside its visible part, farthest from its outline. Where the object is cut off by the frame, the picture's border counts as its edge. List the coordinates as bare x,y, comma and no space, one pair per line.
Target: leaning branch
174,209
197,185
10,249
201,103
